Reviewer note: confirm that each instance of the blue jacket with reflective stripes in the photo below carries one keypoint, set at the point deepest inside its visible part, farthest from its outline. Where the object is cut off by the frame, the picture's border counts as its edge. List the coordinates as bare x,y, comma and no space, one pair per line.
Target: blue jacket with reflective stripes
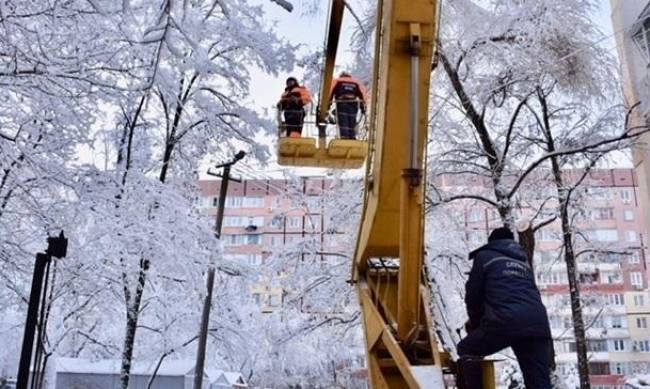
501,294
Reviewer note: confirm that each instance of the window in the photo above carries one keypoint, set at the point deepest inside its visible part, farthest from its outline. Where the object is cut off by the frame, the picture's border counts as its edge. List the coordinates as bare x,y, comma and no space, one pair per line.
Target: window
276,221
642,345
636,279
202,202
602,214
215,201
253,202
634,258
587,278
295,221
312,224
243,221
638,300
232,221
628,215
572,347
596,345
615,299
619,368
241,240
234,240
641,322
626,196
253,239
617,321
611,277
606,258
642,37
599,193
234,202
254,259
276,240
552,278
599,368
609,235
619,344
631,236
594,321
257,221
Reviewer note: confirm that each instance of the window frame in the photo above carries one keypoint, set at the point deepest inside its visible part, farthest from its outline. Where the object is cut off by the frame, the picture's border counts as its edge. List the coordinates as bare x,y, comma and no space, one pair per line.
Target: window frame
635,275
641,35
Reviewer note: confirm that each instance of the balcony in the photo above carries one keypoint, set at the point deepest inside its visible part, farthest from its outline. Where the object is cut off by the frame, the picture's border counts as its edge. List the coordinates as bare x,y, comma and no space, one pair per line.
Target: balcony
644,95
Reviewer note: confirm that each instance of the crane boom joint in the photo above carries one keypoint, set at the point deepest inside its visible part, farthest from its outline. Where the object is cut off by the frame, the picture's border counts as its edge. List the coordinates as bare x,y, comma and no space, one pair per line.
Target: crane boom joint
415,39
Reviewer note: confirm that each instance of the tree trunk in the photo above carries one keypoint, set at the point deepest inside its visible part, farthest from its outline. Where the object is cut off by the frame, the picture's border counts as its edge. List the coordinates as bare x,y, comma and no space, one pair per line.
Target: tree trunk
133,304
132,315
564,196
574,286
527,241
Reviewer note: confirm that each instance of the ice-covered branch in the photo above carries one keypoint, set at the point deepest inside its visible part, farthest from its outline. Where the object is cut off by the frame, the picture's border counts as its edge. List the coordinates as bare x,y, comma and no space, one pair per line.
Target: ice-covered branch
284,4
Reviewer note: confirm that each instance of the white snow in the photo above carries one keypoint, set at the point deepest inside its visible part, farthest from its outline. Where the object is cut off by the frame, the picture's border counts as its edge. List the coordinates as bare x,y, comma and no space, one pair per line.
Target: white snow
169,367
429,377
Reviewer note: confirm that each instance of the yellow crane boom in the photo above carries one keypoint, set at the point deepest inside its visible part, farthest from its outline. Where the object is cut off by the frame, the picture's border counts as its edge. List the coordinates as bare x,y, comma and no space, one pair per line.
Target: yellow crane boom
402,350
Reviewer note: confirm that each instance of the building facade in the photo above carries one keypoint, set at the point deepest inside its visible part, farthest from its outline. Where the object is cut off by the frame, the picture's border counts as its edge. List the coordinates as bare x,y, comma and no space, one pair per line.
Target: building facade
631,22
262,216
612,272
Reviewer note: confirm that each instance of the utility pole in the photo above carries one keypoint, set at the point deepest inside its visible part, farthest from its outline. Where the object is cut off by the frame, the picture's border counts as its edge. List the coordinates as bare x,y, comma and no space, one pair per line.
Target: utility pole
57,247
205,316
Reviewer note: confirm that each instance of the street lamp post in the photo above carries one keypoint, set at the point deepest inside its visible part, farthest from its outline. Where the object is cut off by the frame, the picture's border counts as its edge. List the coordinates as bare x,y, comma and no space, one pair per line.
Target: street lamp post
205,316
57,247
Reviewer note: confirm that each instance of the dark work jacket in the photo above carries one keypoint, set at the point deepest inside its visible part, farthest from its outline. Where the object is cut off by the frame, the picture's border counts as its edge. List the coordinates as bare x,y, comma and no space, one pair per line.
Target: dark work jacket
347,88
501,294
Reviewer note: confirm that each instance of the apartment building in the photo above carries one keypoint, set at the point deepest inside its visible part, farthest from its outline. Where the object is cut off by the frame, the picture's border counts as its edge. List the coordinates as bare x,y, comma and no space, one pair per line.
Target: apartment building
612,269
631,22
263,217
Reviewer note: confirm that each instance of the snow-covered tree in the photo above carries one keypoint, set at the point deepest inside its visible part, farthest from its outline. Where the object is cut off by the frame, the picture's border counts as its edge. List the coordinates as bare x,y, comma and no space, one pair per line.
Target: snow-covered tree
146,90
509,70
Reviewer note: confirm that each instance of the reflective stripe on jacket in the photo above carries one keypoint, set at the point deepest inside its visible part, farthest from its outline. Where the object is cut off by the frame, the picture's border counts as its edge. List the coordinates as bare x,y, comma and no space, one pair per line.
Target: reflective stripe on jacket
348,88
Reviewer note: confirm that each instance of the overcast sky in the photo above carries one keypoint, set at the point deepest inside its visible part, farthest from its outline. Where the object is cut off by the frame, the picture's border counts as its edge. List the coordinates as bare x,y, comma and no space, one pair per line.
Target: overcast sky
308,29
300,27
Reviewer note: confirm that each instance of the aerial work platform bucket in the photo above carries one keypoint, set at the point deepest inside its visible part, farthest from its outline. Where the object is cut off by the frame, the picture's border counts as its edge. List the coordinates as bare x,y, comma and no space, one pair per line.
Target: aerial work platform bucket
312,150
339,154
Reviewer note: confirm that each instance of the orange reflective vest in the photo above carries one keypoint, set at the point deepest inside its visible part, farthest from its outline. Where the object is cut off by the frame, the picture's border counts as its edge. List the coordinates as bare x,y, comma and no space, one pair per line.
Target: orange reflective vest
295,98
